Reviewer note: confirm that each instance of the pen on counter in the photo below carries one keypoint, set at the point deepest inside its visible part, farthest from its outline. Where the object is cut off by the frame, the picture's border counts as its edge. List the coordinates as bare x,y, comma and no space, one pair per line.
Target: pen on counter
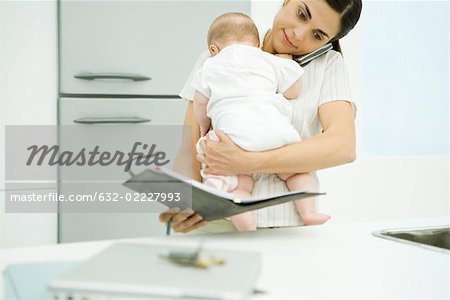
169,224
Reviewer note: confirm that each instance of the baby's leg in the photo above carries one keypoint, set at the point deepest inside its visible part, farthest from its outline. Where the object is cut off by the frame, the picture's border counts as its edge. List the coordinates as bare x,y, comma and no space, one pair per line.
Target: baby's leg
285,176
245,221
305,207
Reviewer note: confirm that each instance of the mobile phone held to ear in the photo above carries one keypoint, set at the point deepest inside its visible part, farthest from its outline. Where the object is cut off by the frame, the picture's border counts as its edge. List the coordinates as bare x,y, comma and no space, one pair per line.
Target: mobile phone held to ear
303,60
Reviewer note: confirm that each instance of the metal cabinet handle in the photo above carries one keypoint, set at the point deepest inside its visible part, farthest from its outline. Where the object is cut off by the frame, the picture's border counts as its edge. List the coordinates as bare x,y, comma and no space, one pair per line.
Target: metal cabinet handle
111,120
124,76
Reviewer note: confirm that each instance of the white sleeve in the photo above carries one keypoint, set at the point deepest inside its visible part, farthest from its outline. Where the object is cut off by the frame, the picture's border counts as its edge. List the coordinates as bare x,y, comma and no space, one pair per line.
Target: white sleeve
188,91
199,84
288,72
335,83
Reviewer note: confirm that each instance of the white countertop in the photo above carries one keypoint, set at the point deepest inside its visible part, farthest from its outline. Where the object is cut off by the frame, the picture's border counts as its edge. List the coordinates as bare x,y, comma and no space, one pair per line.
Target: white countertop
331,261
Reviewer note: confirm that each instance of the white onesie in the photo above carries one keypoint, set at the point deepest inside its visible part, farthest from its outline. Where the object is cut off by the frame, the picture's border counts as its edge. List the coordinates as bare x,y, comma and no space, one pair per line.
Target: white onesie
325,80
244,85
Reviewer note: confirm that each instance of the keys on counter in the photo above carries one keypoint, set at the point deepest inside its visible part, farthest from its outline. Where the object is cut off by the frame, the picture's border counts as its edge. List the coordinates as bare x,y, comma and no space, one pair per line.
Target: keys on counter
193,259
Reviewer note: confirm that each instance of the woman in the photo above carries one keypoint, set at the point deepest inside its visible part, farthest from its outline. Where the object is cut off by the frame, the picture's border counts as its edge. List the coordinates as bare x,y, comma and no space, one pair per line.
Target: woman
323,113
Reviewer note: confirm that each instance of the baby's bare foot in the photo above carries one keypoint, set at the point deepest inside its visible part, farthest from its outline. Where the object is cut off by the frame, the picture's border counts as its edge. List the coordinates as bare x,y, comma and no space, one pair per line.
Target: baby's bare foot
313,218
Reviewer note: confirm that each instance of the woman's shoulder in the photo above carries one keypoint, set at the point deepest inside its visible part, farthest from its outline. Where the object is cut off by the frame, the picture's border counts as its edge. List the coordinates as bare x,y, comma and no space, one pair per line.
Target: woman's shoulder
330,58
188,91
333,54
202,58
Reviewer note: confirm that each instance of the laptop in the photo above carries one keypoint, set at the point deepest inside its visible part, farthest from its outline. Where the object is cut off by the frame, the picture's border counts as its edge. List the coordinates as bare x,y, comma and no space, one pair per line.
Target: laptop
144,271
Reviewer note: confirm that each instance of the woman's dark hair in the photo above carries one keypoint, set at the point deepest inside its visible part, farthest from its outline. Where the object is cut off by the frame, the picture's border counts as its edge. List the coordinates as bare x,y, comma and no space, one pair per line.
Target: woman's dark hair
350,11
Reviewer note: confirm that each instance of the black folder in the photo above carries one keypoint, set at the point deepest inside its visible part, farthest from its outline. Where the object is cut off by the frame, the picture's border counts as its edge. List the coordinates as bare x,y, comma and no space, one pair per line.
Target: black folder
210,203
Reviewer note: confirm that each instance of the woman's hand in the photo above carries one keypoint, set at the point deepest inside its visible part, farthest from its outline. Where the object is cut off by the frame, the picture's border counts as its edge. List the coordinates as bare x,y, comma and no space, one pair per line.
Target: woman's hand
183,221
224,157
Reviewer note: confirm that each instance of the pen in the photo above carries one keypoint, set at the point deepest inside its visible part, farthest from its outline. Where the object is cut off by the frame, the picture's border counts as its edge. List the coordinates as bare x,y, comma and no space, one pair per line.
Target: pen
169,224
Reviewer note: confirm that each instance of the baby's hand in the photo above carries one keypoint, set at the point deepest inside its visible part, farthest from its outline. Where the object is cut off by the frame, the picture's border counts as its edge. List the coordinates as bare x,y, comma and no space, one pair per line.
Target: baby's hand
203,131
288,56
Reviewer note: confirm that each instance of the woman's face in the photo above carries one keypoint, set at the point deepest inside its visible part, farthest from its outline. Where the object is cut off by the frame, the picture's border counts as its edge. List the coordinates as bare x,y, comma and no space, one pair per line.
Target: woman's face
302,26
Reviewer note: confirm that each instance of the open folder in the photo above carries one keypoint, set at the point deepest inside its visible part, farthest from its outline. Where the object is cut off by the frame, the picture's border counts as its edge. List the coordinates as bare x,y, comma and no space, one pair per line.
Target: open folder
211,203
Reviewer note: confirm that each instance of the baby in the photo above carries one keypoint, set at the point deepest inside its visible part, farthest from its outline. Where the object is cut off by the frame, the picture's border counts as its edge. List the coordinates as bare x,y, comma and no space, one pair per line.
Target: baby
242,91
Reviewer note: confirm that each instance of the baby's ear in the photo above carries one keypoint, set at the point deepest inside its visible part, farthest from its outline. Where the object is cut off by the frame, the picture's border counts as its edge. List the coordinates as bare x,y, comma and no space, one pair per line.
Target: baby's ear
213,49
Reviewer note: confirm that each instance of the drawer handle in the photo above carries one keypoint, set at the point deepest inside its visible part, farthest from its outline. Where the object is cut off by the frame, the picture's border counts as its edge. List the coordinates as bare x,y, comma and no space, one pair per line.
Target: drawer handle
111,120
125,76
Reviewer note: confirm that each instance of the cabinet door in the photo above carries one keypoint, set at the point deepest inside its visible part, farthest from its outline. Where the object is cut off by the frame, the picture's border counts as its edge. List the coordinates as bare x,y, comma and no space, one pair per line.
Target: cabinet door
134,47
90,117
26,228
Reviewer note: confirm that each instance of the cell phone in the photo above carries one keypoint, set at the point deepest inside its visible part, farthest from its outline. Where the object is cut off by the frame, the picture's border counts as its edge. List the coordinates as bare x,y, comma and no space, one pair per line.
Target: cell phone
303,60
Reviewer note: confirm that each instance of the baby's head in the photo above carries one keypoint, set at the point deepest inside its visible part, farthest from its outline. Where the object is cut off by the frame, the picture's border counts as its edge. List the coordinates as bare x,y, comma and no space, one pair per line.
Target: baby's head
232,28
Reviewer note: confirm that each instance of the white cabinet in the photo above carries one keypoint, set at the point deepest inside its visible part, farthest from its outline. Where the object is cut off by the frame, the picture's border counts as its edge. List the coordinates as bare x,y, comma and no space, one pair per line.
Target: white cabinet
28,95
104,120
28,70
134,47
26,229
124,62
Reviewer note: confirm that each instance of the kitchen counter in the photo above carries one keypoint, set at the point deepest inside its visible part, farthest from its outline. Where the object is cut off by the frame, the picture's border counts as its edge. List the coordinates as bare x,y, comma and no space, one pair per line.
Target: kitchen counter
331,261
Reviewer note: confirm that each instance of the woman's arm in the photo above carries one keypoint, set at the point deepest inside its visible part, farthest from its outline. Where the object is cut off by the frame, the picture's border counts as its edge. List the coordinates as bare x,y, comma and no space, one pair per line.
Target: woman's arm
200,103
187,220
334,146
293,91
187,152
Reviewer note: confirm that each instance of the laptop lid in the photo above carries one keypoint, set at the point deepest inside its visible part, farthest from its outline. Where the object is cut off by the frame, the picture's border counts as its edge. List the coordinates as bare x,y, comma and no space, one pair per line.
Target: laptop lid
144,270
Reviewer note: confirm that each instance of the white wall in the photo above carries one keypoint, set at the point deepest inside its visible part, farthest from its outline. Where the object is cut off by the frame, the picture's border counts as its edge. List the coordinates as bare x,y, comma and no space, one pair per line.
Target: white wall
28,87
387,188
262,13
411,183
402,170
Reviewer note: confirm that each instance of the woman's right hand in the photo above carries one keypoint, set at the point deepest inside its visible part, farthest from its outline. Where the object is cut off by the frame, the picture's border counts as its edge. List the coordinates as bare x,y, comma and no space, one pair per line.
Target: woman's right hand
184,221
224,157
